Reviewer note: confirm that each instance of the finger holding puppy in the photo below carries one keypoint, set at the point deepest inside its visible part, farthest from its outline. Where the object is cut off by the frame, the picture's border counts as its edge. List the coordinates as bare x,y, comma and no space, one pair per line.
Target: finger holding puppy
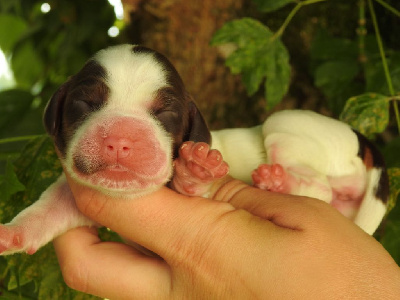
237,246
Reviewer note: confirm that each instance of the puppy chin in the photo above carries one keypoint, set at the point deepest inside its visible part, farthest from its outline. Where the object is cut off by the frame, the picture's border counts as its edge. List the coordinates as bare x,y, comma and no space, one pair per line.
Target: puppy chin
121,185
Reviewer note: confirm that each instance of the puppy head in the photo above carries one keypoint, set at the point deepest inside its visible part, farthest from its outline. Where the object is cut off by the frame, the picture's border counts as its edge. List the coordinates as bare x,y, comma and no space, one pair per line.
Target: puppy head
118,123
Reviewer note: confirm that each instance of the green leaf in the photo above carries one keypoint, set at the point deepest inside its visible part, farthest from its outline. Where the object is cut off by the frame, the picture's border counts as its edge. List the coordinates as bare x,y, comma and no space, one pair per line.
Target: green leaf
391,239
258,55
11,29
325,47
6,295
367,113
106,234
242,32
391,234
14,104
9,185
37,168
271,5
394,183
335,68
391,152
375,74
23,56
278,74
335,78
339,71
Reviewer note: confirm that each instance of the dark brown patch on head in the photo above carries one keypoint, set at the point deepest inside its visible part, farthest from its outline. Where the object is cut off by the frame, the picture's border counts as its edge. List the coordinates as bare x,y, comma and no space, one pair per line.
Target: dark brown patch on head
175,108
368,158
372,158
86,92
169,109
74,101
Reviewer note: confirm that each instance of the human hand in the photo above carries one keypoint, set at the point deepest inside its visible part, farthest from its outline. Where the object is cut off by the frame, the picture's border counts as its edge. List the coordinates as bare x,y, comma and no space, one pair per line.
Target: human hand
248,244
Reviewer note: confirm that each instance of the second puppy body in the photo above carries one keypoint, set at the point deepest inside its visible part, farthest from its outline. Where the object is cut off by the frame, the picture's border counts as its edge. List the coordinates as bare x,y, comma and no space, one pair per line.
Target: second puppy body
305,153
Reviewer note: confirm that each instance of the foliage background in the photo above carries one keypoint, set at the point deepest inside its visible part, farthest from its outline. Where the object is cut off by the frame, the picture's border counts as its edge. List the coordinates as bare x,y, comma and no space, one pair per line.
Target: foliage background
235,56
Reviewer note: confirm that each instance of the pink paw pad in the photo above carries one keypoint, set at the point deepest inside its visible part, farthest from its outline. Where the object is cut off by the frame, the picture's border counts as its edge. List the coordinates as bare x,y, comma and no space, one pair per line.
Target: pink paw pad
196,168
269,177
202,162
10,239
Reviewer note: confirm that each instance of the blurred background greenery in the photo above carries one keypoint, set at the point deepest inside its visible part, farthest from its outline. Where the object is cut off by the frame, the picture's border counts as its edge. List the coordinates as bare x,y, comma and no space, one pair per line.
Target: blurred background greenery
332,55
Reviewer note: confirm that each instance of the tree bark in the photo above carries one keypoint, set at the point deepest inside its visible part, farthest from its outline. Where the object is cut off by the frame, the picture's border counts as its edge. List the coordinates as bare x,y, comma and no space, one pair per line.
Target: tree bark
182,31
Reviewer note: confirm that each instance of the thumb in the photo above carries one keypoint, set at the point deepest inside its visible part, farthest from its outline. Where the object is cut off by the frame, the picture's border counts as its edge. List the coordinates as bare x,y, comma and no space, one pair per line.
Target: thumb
161,222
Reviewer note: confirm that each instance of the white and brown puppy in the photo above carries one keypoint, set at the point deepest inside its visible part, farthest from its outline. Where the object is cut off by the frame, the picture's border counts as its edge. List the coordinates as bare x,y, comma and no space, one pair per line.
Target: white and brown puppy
305,153
119,126
124,121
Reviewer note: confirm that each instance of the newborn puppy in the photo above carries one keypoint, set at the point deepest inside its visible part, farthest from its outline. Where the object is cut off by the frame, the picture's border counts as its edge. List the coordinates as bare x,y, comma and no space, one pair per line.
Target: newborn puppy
118,126
125,125
304,153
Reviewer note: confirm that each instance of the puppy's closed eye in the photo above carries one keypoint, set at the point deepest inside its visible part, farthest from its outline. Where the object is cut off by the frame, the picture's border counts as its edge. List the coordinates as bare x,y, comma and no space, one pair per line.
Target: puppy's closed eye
82,106
167,115
169,120
80,109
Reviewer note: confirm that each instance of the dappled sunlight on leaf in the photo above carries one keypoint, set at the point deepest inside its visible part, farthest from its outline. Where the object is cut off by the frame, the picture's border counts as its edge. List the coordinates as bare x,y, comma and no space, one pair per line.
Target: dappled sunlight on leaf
367,113
259,57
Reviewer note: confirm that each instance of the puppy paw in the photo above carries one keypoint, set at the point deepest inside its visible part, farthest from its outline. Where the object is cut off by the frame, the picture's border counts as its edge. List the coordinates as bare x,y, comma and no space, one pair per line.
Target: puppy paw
270,177
202,162
197,167
12,241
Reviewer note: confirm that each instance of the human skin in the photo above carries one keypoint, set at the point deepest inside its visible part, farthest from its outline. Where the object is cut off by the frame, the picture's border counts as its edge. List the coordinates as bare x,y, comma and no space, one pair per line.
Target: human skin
243,243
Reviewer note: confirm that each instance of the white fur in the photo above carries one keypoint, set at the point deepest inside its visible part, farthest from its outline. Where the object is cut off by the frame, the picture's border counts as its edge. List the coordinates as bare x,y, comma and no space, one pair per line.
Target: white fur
322,153
372,210
308,138
134,78
242,149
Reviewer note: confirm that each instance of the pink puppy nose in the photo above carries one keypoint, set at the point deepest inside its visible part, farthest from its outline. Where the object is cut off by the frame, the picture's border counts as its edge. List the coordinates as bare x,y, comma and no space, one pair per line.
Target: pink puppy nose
117,147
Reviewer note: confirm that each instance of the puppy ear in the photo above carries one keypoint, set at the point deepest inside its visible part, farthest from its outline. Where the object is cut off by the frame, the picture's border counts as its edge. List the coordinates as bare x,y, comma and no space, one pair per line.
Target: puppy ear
198,129
53,111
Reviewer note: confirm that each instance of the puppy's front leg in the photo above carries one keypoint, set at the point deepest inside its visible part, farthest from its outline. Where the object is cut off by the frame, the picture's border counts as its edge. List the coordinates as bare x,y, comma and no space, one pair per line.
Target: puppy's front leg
53,214
196,168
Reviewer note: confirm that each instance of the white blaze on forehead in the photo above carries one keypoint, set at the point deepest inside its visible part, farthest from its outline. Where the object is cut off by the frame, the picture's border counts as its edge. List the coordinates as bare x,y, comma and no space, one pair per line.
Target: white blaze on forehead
133,78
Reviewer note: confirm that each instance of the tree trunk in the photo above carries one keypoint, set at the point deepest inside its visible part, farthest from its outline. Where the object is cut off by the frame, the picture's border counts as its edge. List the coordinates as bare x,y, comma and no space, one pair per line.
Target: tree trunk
182,31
